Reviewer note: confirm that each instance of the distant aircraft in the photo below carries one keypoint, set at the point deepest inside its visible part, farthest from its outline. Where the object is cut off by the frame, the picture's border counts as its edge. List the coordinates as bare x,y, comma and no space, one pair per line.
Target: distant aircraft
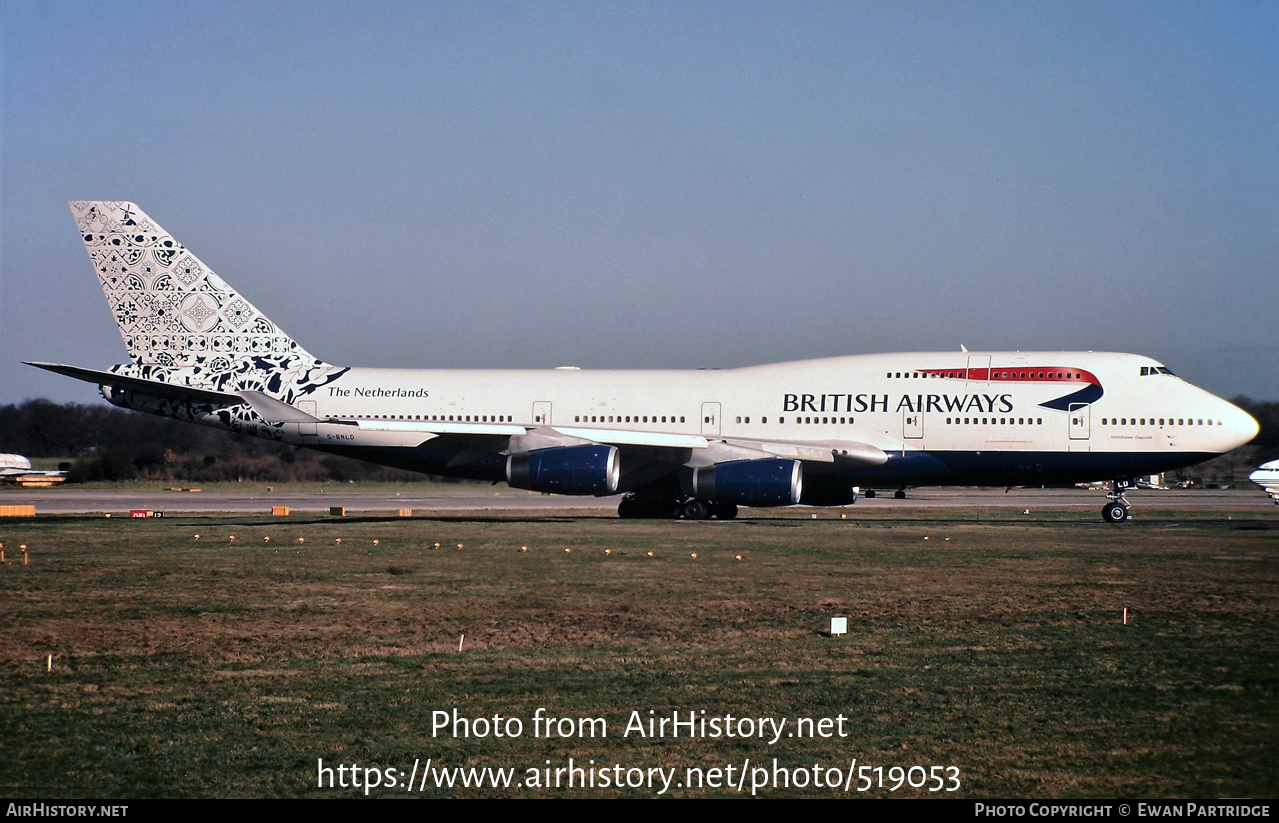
692,444
1267,477
16,469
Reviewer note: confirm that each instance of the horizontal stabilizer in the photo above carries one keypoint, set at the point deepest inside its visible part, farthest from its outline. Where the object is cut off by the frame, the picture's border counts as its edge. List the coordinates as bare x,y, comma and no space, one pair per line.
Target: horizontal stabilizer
155,388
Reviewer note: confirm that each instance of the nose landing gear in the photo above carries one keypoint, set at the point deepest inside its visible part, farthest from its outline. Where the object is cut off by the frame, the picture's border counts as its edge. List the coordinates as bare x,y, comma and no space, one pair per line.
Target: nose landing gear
1116,511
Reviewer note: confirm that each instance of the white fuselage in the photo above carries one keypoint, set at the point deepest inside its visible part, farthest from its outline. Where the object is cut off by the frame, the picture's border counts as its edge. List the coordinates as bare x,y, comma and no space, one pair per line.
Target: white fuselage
896,402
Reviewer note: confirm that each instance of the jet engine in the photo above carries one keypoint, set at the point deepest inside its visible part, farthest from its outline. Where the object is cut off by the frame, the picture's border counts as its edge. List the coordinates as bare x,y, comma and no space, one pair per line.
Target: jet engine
590,469
771,482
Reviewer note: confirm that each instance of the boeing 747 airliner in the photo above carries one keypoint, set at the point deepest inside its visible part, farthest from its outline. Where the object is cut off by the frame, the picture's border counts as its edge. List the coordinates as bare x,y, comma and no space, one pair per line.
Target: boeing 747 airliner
692,444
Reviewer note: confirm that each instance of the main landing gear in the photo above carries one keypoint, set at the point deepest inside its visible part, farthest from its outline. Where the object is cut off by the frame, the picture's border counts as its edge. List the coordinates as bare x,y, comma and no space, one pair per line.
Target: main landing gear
665,508
900,494
1116,511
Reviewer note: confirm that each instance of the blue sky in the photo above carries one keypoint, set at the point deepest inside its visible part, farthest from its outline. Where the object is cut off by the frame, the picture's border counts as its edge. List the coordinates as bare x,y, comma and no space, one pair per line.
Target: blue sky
659,184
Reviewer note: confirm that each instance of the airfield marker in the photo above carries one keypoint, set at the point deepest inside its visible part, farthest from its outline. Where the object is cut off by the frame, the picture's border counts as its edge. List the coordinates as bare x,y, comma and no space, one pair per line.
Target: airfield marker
460,640
48,666
1125,615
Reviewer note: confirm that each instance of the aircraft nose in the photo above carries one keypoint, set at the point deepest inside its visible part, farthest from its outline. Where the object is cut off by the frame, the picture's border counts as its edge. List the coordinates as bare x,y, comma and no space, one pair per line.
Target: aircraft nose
1245,425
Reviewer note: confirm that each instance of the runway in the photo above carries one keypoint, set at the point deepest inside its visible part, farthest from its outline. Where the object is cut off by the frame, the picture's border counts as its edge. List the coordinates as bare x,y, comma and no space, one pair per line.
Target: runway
69,500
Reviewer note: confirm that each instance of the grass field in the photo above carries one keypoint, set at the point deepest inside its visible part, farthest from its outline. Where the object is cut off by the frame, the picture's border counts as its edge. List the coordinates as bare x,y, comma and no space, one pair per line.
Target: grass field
212,667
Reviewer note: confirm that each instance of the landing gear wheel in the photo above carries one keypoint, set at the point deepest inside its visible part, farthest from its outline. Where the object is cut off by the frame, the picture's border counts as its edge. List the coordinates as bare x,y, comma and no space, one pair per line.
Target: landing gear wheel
1114,512
696,510
648,508
870,494
900,494
725,511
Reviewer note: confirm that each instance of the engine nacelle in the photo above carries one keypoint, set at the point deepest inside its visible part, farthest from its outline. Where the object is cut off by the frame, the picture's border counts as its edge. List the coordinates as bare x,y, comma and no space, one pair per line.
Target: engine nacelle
590,469
771,482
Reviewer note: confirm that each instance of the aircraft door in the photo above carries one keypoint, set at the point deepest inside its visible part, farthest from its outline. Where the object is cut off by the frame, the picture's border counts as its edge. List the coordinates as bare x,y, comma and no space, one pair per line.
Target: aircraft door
1079,421
978,368
912,425
710,418
542,413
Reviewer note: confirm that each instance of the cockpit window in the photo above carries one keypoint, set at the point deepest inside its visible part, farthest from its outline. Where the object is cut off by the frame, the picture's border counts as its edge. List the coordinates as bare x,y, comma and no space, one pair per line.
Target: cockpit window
1149,370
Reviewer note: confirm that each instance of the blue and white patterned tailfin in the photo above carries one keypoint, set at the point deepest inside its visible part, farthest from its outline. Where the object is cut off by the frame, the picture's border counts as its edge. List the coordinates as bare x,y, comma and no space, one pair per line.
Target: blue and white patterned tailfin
180,322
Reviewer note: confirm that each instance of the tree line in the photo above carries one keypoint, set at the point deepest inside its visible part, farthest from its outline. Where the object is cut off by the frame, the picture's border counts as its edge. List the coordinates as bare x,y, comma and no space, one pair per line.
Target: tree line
103,442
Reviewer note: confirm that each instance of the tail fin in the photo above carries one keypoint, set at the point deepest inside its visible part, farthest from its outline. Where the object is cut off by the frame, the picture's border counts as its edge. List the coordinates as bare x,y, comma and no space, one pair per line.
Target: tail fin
180,322
172,309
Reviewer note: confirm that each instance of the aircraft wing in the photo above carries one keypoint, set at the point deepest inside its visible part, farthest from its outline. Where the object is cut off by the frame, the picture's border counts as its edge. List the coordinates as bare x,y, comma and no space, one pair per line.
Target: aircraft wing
832,451
819,451
828,455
